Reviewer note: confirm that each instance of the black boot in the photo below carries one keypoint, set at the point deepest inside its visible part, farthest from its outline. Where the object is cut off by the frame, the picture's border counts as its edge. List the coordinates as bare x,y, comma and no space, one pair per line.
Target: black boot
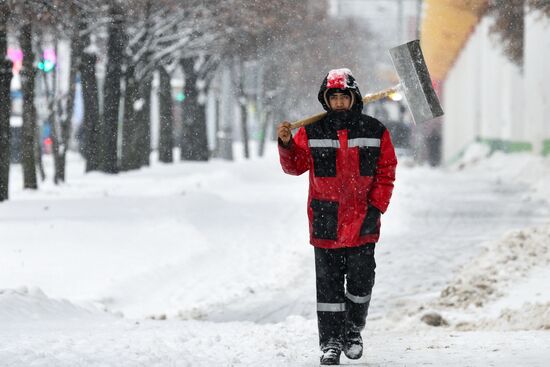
331,356
353,345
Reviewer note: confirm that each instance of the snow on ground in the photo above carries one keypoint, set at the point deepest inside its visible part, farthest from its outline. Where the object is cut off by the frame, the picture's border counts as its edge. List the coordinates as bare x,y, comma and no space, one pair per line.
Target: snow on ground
503,277
207,264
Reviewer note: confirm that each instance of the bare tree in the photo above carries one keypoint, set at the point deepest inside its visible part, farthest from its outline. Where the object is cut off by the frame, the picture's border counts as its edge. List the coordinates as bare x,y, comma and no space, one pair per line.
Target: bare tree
142,37
508,27
28,74
91,125
5,103
160,34
67,115
509,24
116,44
242,98
64,101
136,134
539,5
166,128
193,145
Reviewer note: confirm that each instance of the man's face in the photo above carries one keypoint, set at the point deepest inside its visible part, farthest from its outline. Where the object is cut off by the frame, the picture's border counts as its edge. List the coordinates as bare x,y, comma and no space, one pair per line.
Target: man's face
339,102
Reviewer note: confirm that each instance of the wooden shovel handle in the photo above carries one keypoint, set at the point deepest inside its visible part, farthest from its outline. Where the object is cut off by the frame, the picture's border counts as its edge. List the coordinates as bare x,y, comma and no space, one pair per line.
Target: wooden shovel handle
307,120
379,95
366,99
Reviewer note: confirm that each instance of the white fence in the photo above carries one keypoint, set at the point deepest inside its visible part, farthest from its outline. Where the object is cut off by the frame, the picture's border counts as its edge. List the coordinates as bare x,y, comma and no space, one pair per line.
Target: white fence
488,98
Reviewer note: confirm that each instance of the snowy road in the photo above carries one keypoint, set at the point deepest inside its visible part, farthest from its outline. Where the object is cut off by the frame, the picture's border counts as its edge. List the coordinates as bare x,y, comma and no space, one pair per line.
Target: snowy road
218,253
437,221
157,344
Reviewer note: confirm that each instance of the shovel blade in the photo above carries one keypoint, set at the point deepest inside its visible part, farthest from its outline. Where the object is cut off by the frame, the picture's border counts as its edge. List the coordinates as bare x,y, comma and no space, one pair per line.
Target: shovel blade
415,81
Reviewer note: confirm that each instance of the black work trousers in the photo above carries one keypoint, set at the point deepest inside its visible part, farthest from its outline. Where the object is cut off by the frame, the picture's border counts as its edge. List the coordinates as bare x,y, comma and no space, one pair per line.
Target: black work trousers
345,278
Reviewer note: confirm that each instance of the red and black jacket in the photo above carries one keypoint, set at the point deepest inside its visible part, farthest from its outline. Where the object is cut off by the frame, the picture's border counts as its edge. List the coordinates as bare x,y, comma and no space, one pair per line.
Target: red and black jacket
351,163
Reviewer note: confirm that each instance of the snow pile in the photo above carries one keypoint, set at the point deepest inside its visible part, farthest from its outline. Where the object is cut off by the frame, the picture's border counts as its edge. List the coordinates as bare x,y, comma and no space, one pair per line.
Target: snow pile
504,285
525,168
535,172
474,153
24,304
179,241
499,263
492,280
529,317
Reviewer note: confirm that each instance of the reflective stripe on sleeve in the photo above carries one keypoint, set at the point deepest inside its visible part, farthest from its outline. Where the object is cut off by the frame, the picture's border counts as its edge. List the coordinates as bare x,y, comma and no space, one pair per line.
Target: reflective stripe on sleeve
323,143
363,142
358,299
331,307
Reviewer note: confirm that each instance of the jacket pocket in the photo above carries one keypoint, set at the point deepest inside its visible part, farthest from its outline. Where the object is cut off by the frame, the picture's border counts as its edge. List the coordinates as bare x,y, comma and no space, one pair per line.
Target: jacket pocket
324,162
368,157
325,219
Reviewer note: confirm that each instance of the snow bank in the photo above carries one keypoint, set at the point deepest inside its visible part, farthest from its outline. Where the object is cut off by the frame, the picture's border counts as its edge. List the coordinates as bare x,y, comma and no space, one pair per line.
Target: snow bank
528,317
474,153
524,168
24,304
504,288
500,263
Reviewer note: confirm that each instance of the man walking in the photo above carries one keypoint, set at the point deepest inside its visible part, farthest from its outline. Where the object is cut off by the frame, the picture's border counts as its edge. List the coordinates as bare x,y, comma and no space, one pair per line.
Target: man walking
351,163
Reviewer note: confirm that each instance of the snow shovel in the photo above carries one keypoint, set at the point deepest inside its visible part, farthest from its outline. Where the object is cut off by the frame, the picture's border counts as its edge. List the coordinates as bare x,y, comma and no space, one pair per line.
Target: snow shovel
415,84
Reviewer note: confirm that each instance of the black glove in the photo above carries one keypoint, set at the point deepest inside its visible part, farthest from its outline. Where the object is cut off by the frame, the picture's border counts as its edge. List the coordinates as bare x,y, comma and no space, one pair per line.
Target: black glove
370,224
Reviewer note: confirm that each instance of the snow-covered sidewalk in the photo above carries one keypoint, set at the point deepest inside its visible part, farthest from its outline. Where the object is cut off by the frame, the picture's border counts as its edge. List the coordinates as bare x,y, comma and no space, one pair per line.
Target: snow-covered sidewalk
290,343
208,265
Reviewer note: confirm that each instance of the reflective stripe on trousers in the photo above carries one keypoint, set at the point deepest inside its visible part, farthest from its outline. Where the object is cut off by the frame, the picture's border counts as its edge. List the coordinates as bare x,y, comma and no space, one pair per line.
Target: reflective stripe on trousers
344,279
331,307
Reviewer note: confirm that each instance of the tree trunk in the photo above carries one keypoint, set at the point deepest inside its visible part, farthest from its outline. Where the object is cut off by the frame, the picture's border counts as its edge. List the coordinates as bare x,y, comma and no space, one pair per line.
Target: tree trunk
225,134
200,134
143,116
244,130
166,140
5,104
89,136
261,110
129,159
242,104
76,55
60,115
188,109
115,56
265,118
217,129
91,127
194,144
29,123
52,119
145,89
136,137
38,149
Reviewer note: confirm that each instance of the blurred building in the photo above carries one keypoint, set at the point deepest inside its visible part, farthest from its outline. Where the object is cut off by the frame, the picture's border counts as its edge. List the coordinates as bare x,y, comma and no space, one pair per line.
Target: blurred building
486,97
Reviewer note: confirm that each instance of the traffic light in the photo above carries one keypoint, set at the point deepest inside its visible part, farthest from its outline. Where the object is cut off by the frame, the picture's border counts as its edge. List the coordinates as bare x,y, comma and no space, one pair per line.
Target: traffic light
180,97
46,65
48,60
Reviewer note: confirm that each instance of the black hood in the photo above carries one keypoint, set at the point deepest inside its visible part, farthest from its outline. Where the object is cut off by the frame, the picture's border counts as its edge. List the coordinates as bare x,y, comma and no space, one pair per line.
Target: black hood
341,79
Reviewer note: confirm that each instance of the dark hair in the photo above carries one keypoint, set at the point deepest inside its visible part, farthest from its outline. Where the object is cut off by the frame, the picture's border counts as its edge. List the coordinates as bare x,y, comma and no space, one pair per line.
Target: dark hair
332,91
